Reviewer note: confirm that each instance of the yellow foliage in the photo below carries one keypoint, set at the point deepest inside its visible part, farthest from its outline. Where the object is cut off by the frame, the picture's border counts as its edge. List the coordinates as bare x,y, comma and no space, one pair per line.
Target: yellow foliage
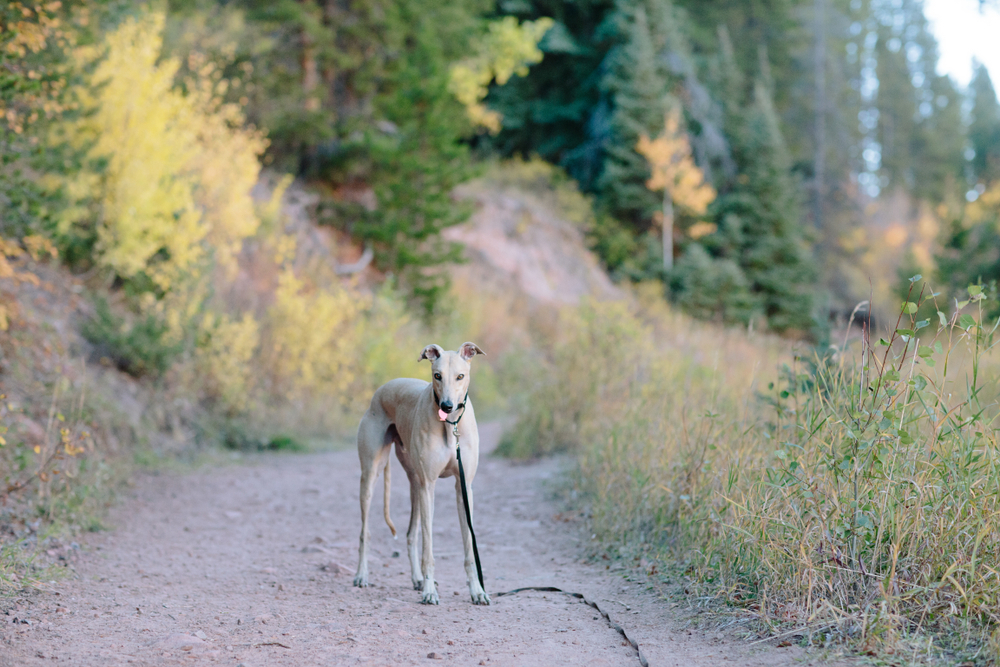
312,337
507,49
673,169
224,359
179,168
36,25
11,250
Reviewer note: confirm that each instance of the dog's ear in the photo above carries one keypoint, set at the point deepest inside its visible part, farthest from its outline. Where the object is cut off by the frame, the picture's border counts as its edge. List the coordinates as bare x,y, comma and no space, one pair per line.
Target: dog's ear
431,352
469,350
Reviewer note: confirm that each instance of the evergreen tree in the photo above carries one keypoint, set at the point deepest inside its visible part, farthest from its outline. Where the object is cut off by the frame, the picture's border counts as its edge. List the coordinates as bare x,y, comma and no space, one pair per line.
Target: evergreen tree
355,94
984,131
920,130
640,86
560,111
760,225
897,111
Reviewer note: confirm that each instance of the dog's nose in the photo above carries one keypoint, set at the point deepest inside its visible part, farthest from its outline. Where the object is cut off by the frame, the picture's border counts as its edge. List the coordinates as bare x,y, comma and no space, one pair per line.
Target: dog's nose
447,406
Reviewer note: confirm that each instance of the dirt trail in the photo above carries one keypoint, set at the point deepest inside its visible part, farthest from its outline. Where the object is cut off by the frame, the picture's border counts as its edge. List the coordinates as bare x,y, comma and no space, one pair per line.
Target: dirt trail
223,566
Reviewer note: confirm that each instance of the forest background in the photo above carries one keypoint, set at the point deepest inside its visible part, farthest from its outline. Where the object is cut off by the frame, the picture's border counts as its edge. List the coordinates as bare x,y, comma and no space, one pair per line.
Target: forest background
776,170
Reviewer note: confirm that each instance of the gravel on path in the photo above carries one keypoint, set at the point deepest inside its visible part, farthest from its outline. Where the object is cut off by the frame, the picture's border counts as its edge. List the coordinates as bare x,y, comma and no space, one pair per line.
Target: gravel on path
252,564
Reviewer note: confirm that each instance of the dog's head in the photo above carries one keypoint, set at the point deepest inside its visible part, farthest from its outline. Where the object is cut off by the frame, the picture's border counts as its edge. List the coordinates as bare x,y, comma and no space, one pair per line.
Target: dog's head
450,371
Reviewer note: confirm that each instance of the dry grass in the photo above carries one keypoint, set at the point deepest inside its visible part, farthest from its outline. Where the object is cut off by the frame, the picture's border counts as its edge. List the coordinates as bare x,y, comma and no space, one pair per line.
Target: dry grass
851,493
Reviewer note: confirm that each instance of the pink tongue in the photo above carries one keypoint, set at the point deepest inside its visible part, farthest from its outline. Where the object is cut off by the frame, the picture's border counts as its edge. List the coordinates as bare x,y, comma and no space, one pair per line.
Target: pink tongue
442,415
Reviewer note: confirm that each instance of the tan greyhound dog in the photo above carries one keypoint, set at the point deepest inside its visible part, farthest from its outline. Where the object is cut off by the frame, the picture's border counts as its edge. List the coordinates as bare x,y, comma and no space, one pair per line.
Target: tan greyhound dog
412,414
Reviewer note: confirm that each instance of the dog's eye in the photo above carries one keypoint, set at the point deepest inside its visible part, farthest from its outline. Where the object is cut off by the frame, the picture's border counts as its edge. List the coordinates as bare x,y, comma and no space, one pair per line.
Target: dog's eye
460,377
437,376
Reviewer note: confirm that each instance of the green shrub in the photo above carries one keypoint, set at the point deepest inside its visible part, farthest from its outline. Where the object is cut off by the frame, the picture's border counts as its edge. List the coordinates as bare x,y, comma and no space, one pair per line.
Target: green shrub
712,289
139,349
285,443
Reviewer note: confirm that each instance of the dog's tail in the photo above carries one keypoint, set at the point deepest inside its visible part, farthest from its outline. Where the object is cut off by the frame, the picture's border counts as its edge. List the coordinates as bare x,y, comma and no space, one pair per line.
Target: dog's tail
385,497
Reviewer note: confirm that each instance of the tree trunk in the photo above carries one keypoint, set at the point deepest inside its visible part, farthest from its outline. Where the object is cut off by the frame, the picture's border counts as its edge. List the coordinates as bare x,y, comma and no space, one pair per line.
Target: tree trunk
819,64
310,75
668,230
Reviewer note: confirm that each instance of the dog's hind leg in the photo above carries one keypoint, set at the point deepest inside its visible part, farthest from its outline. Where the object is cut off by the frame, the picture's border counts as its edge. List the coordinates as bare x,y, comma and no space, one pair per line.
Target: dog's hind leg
371,454
367,488
479,596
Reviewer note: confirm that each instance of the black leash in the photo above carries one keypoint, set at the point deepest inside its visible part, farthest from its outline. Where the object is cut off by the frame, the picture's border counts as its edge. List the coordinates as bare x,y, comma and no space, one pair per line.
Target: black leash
590,603
461,477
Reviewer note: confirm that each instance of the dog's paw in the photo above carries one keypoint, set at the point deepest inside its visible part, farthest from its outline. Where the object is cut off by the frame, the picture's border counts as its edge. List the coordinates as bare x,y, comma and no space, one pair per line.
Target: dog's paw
361,581
479,596
430,595
418,585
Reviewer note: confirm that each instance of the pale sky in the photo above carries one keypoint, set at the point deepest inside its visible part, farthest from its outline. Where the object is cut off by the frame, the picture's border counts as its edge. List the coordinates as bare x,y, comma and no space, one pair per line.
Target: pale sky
963,32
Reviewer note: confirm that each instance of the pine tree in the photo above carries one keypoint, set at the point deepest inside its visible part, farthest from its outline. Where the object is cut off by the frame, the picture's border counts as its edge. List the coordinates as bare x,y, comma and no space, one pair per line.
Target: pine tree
984,131
759,218
640,88
560,111
920,128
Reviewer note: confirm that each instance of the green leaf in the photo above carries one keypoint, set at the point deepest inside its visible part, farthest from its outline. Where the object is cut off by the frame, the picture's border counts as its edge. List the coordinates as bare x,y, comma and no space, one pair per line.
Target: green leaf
924,351
930,361
966,321
975,290
905,332
942,319
919,382
905,438
921,324
909,307
938,348
883,341
916,278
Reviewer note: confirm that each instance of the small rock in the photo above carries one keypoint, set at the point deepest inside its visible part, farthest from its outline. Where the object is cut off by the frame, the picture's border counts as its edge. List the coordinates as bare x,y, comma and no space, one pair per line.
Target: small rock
310,549
395,554
281,587
424,631
434,656
455,593
451,643
201,635
333,567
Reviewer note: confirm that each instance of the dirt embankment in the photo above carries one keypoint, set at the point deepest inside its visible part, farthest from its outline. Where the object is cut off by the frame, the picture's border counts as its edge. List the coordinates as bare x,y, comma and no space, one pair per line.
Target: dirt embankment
252,564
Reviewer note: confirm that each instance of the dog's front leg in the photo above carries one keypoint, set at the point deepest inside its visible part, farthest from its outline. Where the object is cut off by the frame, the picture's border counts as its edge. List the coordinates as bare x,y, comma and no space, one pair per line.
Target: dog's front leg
416,574
479,596
430,595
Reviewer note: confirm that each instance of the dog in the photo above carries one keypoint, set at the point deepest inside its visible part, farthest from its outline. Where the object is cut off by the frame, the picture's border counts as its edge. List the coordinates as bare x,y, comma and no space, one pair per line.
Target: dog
415,415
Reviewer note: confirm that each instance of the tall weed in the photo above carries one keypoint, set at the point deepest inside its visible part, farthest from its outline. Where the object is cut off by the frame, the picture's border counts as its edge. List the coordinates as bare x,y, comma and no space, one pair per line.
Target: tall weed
852,492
